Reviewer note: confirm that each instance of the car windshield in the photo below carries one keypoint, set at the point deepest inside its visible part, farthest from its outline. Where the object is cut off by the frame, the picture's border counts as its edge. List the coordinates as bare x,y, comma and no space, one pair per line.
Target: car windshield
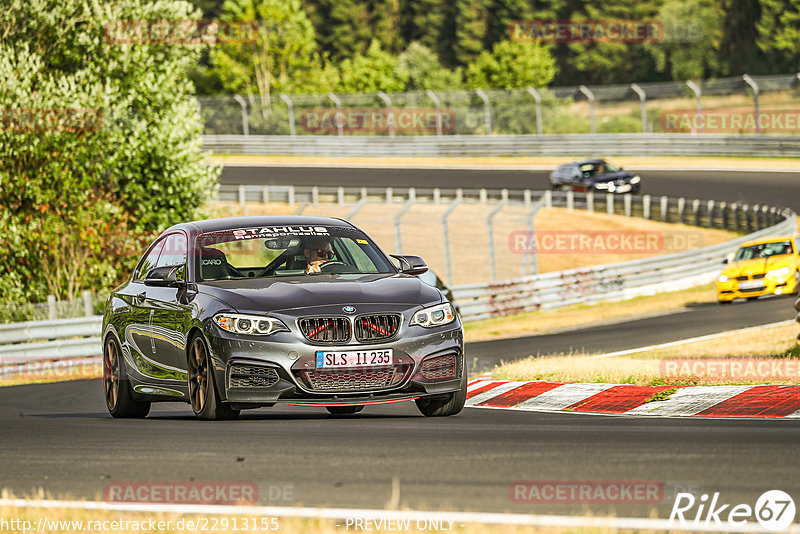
272,251
763,250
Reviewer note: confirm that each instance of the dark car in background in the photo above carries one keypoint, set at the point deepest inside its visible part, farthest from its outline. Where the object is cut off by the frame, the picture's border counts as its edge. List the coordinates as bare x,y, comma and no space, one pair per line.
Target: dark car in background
594,175
223,314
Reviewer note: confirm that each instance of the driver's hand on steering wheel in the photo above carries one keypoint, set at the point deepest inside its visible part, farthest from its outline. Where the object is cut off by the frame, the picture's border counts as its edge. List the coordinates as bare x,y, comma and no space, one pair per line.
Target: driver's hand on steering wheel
313,267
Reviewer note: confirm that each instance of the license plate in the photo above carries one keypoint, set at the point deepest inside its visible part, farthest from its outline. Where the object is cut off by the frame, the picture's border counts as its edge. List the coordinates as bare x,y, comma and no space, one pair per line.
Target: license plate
353,358
751,284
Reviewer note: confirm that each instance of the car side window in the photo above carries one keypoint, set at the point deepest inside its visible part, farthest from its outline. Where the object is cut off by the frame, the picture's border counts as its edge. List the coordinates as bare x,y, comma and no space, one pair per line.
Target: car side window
360,257
174,254
149,261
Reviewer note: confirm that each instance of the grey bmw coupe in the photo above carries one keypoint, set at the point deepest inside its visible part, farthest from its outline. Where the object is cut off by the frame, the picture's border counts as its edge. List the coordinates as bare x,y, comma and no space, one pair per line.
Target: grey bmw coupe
239,313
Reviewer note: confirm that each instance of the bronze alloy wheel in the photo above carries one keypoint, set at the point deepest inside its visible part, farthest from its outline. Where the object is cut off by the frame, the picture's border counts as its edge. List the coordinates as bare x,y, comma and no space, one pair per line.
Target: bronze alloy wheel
111,374
198,375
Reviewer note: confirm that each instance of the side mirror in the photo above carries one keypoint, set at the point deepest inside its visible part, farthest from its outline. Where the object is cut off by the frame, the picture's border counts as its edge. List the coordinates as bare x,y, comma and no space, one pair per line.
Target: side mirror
411,264
724,261
164,277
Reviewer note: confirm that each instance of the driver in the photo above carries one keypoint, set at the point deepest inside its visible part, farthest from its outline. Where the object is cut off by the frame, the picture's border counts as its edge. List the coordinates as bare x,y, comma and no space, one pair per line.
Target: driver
317,251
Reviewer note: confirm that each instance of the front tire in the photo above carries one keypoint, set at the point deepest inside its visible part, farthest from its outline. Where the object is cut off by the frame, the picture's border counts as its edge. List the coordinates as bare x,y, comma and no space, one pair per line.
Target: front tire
117,385
202,391
343,410
445,406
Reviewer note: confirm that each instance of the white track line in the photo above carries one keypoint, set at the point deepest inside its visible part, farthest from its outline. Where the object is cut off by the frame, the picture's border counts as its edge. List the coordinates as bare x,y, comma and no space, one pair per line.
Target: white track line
691,340
626,523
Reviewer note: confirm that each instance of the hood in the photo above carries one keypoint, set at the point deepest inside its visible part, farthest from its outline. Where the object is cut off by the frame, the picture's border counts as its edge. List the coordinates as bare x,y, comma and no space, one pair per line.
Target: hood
755,266
275,294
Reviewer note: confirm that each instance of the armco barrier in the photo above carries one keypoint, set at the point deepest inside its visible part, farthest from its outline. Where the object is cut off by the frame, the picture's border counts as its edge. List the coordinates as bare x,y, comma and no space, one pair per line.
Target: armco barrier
50,340
574,145
604,282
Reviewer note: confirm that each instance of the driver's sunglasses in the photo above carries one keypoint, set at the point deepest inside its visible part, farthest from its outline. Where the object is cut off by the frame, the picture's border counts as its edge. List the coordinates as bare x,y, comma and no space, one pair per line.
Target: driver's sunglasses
322,253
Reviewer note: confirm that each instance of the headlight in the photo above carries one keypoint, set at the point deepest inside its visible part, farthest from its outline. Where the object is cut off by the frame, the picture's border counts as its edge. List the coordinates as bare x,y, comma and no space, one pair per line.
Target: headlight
783,271
636,179
254,325
434,316
722,279
601,185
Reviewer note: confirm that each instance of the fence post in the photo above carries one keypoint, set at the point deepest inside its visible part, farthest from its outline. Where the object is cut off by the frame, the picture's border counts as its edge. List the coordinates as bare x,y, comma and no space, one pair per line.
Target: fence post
681,208
590,96
487,115
754,86
570,200
290,198
548,199
538,99
243,199
697,93
364,193
627,202
711,214
88,304
290,105
723,206
243,104
531,257
52,312
357,208
696,211
437,103
610,203
315,194
398,241
664,209
590,201
340,195
490,240
389,114
482,195
389,198
437,195
339,117
265,195
446,239
504,195
746,214
646,206
643,102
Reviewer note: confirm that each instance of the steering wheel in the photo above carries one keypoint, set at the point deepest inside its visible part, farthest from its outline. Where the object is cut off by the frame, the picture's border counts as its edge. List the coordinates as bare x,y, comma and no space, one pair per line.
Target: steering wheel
332,263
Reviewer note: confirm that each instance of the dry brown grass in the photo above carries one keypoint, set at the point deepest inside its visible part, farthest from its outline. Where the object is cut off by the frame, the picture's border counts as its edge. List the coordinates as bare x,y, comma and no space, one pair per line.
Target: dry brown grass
645,368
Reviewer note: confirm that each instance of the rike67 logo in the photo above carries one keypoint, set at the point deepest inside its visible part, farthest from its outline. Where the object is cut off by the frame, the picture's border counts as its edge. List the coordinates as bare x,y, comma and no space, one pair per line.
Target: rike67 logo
774,510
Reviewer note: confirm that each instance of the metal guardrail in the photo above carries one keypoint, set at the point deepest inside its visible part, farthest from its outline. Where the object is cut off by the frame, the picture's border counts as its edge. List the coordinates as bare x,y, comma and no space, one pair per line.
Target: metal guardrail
573,145
605,282
50,340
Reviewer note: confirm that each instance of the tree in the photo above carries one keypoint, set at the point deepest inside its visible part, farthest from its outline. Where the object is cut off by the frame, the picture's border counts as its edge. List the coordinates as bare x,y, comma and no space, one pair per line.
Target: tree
342,26
424,70
282,56
739,49
512,64
374,71
99,145
779,34
699,55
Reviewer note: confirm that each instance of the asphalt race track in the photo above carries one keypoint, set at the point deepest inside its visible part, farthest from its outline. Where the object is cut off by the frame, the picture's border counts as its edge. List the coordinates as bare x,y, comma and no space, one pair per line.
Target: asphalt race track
780,189
60,437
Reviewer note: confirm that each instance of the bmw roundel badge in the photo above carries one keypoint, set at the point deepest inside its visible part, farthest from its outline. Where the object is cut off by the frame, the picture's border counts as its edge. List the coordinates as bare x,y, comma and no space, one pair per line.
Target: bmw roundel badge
349,309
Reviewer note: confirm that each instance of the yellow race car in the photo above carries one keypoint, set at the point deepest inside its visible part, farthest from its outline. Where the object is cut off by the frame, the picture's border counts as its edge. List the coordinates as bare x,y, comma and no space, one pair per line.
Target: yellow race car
762,267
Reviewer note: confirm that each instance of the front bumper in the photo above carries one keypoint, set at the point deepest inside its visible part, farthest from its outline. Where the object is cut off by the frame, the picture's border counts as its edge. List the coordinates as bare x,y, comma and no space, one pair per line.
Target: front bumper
731,289
284,357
